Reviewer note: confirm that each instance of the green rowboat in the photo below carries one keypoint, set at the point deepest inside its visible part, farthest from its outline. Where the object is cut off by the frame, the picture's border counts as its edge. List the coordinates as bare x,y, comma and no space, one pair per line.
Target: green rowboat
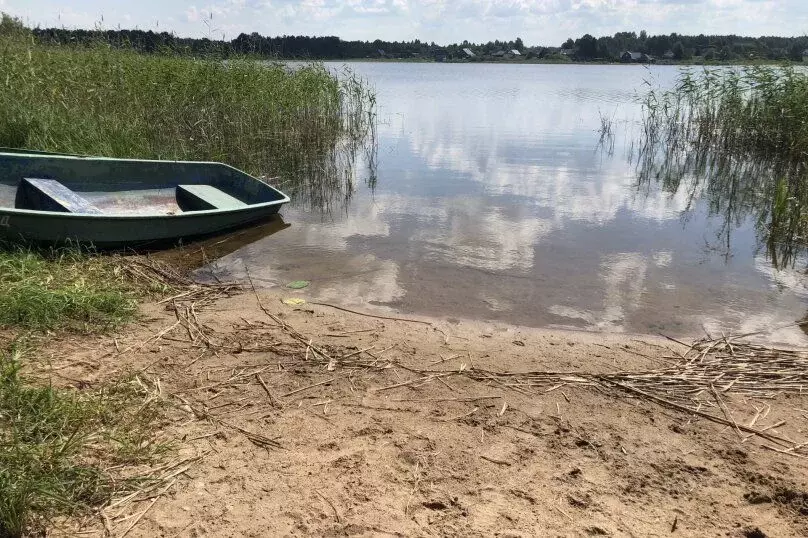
114,202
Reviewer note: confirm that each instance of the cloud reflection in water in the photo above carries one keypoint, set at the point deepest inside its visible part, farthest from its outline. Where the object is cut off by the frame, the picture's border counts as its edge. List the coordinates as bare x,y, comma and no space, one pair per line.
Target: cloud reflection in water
493,201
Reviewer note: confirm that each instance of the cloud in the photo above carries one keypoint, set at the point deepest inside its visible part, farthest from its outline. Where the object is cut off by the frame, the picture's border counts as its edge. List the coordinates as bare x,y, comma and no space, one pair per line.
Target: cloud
192,14
224,10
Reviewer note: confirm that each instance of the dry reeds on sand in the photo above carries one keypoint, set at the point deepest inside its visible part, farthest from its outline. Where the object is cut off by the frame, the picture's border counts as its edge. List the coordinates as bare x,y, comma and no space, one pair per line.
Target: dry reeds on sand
695,381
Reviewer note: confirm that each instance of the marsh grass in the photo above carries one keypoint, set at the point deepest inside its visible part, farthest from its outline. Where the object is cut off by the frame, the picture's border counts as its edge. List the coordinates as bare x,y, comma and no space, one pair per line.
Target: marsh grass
737,138
64,288
755,111
60,448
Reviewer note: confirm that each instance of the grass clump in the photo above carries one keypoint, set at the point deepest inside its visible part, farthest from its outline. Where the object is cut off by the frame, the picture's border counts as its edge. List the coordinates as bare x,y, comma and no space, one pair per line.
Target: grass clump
61,289
59,447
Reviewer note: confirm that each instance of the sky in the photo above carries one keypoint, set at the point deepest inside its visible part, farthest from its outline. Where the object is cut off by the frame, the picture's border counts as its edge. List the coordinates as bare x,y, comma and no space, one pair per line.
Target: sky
537,22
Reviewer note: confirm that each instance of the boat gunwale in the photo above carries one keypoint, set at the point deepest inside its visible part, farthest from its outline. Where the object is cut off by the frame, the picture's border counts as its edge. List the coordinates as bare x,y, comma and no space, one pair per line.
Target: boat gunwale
189,214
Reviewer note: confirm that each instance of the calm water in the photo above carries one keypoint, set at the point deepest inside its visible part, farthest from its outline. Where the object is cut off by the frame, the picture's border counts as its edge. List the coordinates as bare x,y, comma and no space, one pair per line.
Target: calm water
494,200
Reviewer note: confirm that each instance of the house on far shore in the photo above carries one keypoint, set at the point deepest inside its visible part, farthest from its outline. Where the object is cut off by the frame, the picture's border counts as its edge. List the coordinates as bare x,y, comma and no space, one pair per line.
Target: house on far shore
630,56
636,57
380,52
469,53
516,52
669,55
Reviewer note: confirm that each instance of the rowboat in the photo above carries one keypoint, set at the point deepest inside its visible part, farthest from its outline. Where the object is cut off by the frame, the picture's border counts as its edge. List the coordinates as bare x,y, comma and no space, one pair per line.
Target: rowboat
47,197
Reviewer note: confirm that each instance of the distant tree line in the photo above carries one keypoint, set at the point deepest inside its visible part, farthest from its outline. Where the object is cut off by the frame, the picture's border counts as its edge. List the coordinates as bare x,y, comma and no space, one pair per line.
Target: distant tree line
686,47
586,48
323,48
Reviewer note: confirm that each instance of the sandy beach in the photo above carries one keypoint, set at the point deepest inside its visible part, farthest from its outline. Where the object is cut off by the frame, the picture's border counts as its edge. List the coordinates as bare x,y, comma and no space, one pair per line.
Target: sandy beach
302,420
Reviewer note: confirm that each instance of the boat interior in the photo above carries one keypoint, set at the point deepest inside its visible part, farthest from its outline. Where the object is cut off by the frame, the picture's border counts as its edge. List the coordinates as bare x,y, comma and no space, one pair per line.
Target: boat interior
99,186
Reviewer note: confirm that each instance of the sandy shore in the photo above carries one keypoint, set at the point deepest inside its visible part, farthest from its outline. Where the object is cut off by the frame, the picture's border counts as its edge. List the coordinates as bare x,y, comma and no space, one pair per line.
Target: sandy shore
378,429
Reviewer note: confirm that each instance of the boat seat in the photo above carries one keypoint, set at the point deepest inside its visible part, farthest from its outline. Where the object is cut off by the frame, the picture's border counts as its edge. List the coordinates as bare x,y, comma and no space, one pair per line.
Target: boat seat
204,197
50,195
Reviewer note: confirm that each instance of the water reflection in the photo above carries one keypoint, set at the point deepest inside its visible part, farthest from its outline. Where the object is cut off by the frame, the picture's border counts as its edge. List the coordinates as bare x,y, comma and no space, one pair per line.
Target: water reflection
491,199
624,278
200,252
736,184
772,195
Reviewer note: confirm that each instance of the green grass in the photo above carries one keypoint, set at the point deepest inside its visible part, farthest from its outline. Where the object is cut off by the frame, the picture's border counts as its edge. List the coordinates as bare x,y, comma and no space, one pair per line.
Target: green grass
58,446
61,289
66,452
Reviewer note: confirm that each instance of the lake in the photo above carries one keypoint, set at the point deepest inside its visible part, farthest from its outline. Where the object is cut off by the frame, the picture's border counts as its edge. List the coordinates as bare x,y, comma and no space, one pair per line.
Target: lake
493,195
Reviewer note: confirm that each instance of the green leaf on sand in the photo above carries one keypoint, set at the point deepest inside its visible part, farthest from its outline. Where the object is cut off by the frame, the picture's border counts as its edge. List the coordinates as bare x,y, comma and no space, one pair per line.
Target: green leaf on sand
298,284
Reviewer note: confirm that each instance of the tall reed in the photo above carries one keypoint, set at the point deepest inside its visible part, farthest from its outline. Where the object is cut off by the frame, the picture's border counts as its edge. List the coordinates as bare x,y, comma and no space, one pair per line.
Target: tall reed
757,111
737,138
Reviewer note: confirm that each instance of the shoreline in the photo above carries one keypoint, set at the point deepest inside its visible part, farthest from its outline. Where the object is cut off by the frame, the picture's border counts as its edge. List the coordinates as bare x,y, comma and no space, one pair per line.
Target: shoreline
308,420
775,63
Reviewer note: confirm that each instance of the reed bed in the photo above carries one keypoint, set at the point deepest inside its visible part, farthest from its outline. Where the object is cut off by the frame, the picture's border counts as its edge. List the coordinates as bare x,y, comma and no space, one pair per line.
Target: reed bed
737,138
755,111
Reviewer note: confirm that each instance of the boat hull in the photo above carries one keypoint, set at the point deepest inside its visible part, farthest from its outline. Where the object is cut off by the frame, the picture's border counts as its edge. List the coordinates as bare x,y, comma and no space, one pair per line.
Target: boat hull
116,230
121,202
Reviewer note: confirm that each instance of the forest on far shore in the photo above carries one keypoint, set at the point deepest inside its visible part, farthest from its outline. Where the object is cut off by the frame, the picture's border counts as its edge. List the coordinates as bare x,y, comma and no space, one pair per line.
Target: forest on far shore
670,47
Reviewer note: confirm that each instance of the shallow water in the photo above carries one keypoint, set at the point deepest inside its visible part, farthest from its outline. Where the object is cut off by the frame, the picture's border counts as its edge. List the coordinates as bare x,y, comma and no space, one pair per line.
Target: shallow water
494,200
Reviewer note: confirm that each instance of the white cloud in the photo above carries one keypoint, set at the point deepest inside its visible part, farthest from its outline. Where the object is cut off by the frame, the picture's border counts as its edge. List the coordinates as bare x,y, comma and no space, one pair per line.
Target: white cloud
623,276
192,14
